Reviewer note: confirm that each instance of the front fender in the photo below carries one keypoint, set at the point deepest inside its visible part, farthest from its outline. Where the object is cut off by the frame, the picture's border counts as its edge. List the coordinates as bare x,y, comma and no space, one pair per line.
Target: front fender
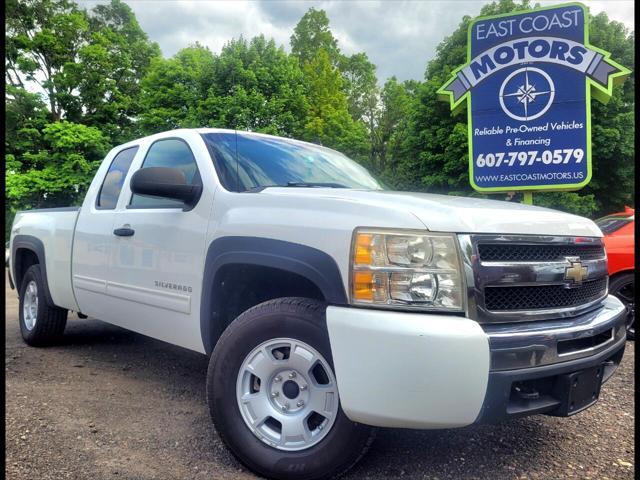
315,265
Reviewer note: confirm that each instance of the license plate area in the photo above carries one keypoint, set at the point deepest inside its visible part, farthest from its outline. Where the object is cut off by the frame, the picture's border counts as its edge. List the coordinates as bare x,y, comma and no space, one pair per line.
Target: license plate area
578,390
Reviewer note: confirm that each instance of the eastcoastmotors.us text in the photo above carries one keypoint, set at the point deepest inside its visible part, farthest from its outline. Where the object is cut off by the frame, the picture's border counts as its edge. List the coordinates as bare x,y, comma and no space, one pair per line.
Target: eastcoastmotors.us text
529,177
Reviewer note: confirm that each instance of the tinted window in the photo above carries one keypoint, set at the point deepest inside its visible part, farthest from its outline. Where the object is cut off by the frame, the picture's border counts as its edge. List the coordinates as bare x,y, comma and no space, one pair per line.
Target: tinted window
113,181
612,223
172,153
247,161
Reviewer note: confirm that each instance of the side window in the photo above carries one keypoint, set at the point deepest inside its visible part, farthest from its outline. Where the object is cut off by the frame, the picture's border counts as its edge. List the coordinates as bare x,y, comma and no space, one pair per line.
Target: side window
113,180
172,153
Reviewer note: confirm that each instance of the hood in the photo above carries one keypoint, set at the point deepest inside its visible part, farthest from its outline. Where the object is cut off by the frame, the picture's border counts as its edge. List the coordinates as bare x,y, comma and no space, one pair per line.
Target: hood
444,213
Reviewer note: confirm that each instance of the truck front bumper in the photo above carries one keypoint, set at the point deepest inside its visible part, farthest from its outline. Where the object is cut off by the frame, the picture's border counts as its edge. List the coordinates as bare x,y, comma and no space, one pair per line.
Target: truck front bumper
417,370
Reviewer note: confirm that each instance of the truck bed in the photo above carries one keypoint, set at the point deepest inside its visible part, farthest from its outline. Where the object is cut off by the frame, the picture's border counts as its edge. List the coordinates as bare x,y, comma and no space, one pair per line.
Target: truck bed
53,228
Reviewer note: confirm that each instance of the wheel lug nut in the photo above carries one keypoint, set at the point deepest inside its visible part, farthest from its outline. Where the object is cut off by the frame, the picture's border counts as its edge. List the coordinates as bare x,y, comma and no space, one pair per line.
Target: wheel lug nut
303,387
278,378
300,403
285,407
292,375
274,394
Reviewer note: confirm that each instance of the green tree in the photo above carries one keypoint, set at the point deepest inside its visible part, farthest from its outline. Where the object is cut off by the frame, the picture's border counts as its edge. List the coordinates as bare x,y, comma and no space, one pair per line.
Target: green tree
25,117
87,64
390,132
613,124
109,69
57,170
43,38
257,87
329,122
360,86
251,85
311,34
173,89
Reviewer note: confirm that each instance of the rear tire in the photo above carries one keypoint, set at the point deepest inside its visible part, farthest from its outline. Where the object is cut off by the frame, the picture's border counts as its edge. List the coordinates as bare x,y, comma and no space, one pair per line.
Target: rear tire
623,287
41,323
299,323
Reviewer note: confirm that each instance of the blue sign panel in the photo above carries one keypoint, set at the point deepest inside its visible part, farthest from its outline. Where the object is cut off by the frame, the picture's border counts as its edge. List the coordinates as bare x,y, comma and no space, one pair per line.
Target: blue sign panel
527,84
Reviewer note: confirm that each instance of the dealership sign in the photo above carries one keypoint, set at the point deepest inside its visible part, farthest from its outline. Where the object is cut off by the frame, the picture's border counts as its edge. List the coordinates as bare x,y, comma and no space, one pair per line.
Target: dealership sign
527,85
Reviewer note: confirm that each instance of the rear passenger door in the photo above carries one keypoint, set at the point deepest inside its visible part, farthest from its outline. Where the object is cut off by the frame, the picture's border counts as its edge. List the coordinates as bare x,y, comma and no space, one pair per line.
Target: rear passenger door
93,240
155,271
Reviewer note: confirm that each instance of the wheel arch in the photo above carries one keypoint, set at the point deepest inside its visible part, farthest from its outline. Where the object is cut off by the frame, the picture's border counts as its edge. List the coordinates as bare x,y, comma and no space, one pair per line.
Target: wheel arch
254,269
27,250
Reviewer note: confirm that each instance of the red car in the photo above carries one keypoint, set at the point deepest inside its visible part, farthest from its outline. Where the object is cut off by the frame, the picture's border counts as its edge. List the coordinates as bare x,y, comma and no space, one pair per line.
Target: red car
618,229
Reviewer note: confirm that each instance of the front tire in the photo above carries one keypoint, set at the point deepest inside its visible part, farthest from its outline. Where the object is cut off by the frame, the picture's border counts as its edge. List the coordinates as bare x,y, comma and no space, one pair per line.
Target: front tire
273,396
41,323
623,287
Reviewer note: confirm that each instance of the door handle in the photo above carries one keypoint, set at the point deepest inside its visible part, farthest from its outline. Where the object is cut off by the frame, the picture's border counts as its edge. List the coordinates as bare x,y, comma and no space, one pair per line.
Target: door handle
124,232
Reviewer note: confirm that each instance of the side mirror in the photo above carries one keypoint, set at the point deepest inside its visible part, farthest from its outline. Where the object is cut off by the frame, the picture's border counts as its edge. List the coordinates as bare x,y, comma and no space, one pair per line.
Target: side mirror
166,183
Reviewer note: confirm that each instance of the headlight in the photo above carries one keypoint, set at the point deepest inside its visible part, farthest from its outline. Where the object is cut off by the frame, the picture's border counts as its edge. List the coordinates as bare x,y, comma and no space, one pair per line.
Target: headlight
396,268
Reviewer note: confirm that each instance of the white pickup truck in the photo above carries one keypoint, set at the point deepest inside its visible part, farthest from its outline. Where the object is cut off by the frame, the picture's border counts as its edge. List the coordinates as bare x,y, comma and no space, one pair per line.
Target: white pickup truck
328,305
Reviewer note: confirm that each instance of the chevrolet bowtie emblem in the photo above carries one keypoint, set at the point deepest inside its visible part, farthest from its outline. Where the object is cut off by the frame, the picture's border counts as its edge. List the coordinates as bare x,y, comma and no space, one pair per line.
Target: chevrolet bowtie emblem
575,271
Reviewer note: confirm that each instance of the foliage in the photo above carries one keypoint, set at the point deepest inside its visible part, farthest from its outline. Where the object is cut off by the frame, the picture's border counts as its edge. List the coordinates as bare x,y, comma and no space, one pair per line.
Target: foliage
88,65
613,125
25,117
329,122
42,43
110,67
311,34
173,89
79,82
57,169
360,86
250,86
396,103
578,203
257,86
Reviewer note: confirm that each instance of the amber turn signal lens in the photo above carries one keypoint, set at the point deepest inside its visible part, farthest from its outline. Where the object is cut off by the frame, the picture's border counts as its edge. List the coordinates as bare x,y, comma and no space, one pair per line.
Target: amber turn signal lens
364,249
363,286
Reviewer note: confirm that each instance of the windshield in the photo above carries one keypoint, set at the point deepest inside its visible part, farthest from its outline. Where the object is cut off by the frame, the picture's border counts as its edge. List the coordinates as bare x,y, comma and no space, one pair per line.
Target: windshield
612,223
248,162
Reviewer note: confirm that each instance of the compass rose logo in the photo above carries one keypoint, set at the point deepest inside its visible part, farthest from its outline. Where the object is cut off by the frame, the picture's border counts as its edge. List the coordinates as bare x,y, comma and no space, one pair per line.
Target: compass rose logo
527,94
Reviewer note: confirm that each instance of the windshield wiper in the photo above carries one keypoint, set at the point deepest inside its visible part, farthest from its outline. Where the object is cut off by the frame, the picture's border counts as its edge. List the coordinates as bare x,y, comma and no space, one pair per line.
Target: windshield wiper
314,184
259,188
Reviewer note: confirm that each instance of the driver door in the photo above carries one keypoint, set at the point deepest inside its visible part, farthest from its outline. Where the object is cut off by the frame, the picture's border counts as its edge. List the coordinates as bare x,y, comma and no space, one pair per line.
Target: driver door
157,252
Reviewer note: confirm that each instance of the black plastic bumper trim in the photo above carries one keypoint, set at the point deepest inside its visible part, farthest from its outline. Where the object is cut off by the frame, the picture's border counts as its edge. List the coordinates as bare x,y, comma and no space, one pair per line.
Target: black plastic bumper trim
498,404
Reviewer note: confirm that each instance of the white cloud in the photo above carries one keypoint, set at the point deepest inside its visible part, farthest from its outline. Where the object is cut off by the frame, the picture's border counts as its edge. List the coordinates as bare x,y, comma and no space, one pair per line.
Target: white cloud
400,37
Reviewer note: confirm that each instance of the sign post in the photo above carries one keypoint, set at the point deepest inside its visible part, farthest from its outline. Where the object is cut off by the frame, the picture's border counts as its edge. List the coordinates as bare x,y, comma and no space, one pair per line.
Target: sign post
527,85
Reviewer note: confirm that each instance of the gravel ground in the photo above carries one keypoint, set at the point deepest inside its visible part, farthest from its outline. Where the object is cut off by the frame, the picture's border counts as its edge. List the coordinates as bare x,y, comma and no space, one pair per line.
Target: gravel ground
110,404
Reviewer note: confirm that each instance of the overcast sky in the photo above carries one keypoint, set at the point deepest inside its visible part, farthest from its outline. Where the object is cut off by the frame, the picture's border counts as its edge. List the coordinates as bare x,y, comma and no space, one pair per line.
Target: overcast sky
400,37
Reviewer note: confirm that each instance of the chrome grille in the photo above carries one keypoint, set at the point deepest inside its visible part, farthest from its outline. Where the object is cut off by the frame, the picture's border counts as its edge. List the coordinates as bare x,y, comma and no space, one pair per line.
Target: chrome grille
542,296
513,278
491,252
